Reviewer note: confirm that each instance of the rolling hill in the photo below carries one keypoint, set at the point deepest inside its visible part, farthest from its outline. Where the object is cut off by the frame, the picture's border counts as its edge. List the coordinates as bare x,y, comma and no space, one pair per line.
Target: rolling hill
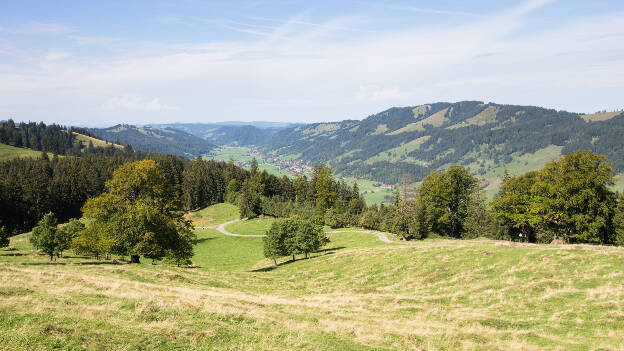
359,293
486,138
231,133
161,140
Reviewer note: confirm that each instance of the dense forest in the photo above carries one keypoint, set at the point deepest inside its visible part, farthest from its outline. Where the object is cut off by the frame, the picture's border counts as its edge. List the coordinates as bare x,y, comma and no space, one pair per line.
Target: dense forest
429,137
52,138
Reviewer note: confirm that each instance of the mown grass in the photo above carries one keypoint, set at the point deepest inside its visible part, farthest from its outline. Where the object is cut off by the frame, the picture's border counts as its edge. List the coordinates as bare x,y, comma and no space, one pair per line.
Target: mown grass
255,226
357,294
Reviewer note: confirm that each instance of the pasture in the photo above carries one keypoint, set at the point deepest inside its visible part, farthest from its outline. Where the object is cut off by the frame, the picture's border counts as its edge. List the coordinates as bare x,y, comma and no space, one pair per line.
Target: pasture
356,294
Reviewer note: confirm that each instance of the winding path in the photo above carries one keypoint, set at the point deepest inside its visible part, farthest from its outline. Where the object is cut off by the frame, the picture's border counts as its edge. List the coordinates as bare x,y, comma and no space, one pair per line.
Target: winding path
222,230
384,238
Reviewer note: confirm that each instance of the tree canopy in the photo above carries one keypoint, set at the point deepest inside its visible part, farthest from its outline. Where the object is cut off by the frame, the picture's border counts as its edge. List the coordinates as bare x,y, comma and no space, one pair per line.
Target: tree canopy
139,215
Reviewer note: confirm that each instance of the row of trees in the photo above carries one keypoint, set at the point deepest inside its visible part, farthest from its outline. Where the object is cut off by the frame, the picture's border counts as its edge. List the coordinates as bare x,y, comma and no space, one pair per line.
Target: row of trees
569,200
320,198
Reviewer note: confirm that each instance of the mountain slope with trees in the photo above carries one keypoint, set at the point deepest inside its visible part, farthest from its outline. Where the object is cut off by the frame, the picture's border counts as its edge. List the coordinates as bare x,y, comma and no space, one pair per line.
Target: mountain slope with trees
479,136
164,141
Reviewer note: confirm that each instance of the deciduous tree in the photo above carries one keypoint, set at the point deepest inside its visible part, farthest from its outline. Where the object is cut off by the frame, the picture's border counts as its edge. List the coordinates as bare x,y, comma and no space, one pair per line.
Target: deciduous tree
139,214
44,236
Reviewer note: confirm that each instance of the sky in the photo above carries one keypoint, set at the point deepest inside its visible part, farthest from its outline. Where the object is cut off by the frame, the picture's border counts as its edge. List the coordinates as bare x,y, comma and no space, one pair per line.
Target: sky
100,63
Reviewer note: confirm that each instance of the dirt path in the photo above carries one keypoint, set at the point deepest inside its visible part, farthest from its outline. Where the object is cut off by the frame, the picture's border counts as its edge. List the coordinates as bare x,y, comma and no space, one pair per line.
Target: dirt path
222,230
384,238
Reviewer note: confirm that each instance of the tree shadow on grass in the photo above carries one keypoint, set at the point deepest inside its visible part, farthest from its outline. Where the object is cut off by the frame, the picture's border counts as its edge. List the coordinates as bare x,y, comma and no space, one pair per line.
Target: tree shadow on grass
56,263
319,253
12,254
199,241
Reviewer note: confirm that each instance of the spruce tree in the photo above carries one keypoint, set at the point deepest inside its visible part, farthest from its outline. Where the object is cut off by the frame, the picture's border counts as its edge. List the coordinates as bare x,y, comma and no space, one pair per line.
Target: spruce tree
4,236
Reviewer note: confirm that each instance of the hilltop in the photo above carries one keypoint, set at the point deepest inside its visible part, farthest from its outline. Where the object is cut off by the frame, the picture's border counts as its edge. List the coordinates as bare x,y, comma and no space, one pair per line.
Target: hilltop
484,137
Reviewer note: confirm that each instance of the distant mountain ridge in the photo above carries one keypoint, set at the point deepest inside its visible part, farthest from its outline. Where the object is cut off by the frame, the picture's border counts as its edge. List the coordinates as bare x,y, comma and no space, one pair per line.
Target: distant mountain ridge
484,137
231,133
160,140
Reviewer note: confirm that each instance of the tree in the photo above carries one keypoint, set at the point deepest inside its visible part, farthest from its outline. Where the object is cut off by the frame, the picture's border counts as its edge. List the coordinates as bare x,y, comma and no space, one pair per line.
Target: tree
274,243
249,199
67,233
618,221
446,196
4,237
574,197
139,214
515,206
479,221
231,192
333,218
324,193
309,237
254,166
293,235
44,235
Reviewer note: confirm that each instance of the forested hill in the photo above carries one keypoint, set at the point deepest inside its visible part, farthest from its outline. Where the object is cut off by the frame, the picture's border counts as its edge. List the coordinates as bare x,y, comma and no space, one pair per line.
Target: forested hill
160,140
485,138
231,133
53,138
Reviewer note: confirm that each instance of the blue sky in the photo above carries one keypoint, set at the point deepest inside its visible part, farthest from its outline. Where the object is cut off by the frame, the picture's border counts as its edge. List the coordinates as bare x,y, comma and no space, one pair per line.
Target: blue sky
101,63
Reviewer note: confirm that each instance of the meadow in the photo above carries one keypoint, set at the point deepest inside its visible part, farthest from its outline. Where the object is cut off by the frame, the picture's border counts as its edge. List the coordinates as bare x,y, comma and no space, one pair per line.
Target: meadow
9,152
356,294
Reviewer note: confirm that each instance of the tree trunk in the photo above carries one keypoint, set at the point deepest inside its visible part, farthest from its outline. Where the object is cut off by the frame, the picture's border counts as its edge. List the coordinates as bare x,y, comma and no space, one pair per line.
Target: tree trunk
51,257
274,262
293,258
134,259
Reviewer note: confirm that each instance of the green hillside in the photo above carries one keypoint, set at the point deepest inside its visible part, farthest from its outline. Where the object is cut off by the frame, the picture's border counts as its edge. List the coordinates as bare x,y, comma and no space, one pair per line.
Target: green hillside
165,140
487,138
8,152
357,294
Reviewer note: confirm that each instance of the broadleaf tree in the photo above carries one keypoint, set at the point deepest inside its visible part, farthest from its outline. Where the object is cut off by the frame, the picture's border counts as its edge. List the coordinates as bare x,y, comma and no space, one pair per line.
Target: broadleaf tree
139,215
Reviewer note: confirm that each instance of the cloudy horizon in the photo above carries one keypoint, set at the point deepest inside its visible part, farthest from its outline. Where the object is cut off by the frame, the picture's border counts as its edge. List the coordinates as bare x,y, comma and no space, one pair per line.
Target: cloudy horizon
96,64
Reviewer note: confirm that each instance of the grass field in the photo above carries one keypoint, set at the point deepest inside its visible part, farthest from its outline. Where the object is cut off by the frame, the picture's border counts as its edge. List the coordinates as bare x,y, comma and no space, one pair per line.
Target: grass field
252,226
8,152
357,294
213,215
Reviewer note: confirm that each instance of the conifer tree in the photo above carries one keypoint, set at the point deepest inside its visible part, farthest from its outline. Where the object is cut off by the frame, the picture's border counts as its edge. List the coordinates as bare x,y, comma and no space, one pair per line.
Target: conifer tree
4,237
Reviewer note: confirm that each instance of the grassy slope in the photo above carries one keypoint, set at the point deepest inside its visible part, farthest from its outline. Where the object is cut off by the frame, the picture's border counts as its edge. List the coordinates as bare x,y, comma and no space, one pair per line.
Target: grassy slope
251,226
213,215
241,154
85,139
360,294
8,152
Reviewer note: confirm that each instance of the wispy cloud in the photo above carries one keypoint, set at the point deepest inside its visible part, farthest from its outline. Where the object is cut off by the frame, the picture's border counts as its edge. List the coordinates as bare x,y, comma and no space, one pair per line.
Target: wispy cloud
430,10
136,103
37,28
289,70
